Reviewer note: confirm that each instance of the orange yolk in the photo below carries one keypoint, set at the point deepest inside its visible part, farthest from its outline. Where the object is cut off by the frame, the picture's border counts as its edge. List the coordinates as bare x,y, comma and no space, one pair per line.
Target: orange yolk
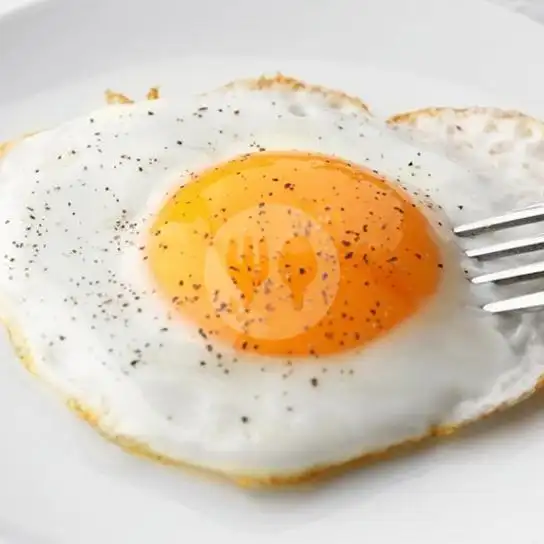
293,254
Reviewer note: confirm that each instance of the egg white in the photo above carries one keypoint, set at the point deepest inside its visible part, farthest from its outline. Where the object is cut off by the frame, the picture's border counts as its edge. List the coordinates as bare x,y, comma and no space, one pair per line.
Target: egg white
76,203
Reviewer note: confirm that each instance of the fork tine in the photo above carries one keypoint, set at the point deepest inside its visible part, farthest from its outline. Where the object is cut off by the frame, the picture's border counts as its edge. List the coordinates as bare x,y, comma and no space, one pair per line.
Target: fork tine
534,301
504,249
264,259
512,275
248,255
513,219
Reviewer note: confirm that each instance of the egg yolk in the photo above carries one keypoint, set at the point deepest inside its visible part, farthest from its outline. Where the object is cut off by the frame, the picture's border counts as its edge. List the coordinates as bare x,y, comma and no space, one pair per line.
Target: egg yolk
292,254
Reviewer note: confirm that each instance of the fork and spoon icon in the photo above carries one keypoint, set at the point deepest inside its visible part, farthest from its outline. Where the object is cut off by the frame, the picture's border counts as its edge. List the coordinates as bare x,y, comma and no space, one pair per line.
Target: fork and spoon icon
273,277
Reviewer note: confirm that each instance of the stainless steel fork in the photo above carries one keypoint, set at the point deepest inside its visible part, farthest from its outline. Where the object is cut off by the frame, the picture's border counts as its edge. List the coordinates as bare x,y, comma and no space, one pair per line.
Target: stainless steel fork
532,301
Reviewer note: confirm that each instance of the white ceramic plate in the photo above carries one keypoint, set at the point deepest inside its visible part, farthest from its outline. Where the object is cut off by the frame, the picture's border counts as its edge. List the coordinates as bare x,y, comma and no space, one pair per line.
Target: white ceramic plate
59,482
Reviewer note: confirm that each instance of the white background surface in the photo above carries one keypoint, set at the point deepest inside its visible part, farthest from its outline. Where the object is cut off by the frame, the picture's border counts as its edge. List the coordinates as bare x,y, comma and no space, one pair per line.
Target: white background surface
485,486
534,9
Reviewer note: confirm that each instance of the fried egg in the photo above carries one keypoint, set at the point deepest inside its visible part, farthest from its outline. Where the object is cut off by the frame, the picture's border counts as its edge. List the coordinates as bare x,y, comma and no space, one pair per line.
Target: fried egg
260,281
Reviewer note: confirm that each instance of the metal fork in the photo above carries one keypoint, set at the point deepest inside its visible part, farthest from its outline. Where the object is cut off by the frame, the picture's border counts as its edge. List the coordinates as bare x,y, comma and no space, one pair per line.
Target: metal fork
533,301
